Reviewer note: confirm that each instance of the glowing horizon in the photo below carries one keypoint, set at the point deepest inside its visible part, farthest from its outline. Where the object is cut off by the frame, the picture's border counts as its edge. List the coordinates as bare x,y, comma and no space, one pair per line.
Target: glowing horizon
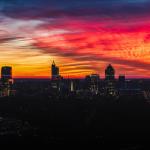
82,37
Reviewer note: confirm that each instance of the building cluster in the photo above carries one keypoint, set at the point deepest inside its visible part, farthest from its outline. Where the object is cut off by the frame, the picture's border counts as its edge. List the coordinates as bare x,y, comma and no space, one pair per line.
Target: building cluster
6,83
92,84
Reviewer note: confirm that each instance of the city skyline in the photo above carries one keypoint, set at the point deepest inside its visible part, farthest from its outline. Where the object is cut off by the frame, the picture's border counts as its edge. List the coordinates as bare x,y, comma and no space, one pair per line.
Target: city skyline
54,73
82,37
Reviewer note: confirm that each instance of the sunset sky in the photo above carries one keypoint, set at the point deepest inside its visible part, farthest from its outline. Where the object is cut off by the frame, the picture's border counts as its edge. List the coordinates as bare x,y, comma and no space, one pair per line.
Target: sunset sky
82,36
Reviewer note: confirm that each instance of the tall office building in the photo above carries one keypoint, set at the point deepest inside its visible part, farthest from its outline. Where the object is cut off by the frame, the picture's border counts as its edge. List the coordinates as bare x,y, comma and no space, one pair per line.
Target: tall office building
56,82
6,81
110,84
6,74
54,71
92,82
109,73
121,81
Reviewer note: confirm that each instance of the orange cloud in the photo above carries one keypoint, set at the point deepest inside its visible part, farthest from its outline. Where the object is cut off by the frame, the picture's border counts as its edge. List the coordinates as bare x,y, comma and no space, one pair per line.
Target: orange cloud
78,46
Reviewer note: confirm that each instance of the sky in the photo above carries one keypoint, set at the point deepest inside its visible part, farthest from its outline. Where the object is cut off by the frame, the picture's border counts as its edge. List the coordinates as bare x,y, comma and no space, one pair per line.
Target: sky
83,37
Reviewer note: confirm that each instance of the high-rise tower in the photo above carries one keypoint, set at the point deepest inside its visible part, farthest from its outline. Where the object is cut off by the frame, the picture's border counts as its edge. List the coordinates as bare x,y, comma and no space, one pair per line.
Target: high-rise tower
54,71
92,82
7,81
109,73
6,74
110,83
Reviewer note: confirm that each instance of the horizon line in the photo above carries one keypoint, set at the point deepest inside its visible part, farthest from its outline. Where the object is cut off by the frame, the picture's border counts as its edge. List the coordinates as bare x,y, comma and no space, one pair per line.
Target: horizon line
103,77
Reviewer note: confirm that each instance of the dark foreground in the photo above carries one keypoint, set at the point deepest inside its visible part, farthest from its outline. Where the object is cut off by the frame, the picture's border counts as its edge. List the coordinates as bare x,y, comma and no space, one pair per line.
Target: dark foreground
121,124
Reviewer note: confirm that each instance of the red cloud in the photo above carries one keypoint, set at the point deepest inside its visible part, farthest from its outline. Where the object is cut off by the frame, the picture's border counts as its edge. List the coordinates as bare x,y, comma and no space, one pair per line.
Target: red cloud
89,41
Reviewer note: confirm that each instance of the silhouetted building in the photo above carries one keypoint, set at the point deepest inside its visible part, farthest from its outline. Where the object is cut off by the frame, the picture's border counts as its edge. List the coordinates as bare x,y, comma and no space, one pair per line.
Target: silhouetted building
92,83
121,78
109,73
6,82
55,71
110,83
6,75
121,81
56,83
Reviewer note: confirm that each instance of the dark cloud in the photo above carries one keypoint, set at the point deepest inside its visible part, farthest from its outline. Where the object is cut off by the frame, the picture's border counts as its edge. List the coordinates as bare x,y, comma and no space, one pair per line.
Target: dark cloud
8,39
77,8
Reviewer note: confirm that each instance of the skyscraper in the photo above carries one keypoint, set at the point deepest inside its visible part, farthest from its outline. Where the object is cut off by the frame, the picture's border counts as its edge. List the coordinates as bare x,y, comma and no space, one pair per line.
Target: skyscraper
6,74
7,81
110,85
121,81
92,82
54,71
56,83
109,73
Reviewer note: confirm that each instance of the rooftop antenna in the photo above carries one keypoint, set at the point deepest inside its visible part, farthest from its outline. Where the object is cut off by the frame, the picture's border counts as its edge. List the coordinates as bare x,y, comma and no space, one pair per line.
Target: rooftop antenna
53,62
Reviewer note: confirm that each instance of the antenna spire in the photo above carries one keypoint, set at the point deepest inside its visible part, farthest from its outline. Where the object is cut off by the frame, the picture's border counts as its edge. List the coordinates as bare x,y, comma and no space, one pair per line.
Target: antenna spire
53,62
